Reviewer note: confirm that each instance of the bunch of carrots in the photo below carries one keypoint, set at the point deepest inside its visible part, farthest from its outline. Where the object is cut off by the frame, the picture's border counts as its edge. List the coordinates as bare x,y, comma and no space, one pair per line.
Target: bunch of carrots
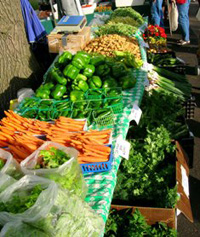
17,133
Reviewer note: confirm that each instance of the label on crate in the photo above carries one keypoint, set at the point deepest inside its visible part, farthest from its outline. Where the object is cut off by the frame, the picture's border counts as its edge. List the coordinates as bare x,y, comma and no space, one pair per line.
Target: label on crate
185,181
122,148
136,113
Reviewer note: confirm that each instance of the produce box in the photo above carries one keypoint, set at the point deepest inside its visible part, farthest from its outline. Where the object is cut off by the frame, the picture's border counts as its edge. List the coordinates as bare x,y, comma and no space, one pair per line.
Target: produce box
68,42
183,204
153,215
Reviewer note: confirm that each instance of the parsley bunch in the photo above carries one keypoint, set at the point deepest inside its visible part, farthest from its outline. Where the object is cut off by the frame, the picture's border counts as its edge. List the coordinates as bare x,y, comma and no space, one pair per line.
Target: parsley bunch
149,174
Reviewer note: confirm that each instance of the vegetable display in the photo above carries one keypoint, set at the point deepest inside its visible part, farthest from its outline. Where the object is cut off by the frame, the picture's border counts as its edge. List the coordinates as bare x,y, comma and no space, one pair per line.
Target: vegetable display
124,223
2,163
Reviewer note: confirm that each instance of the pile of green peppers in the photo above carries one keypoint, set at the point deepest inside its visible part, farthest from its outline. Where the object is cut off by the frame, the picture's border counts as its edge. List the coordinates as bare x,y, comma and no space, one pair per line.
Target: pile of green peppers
72,76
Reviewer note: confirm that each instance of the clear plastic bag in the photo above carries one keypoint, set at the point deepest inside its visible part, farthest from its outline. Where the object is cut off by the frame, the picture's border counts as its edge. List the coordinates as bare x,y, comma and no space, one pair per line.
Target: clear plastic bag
99,19
11,166
56,213
68,175
5,181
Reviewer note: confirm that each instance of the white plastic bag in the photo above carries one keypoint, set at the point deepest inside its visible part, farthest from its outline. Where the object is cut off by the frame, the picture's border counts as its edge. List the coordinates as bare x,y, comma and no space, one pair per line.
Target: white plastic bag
5,181
11,166
56,213
68,175
23,93
174,17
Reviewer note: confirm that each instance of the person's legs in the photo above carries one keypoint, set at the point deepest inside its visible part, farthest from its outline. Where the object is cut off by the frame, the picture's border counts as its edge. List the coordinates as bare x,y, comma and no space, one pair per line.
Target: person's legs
156,12
183,20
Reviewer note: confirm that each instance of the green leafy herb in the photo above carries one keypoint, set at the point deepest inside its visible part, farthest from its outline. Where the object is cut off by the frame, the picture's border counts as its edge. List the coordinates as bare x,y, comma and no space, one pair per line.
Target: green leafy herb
52,158
149,174
126,224
21,203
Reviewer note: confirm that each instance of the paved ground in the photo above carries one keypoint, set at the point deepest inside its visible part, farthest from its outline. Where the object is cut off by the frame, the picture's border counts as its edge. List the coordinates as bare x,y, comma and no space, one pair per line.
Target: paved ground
188,53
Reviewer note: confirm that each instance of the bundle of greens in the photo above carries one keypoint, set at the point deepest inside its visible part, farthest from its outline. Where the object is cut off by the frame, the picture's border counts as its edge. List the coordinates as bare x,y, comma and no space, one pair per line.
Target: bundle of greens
116,28
51,158
171,82
20,203
125,20
126,224
161,107
127,12
149,174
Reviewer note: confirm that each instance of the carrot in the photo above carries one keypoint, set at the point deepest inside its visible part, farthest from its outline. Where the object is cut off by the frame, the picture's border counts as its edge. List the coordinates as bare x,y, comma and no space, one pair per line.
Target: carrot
3,144
19,153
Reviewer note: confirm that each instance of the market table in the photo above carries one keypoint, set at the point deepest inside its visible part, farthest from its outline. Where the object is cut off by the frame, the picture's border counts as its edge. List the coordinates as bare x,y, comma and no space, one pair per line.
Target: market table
101,185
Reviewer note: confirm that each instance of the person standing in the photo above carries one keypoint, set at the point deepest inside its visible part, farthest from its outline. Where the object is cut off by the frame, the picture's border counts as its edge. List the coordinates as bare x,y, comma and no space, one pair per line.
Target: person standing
183,20
157,13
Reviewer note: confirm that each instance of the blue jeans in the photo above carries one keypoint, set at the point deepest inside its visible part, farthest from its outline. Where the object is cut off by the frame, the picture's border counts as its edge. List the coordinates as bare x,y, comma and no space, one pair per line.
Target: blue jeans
183,20
157,13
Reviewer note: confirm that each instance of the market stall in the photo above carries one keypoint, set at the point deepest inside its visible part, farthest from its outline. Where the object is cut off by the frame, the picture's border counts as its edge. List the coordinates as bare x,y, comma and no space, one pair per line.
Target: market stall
68,140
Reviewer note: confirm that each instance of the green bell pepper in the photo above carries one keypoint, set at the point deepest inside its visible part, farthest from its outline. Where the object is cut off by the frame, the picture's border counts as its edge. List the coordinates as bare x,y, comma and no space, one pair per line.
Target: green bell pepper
81,77
119,69
80,85
95,82
64,58
127,82
48,86
79,61
58,77
43,94
89,70
97,60
102,70
109,83
85,55
58,92
76,95
71,71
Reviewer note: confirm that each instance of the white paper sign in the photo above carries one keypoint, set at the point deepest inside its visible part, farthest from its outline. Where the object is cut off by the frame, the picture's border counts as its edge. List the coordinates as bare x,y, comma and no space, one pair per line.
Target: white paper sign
185,181
122,147
136,113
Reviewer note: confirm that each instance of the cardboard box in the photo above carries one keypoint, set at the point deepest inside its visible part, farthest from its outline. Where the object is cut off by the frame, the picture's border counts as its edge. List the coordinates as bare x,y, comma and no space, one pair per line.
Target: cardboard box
168,215
69,42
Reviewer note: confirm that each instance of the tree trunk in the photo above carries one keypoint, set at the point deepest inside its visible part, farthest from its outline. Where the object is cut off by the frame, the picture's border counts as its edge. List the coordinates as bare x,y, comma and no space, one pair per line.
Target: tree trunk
18,66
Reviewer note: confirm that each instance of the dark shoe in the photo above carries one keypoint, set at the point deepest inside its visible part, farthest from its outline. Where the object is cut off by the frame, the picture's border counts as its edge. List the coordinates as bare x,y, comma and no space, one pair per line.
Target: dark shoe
183,42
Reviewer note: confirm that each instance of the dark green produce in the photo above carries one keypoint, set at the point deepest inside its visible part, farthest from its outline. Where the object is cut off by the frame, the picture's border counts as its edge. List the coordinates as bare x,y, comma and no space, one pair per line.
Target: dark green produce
103,70
127,82
119,69
64,58
97,60
109,82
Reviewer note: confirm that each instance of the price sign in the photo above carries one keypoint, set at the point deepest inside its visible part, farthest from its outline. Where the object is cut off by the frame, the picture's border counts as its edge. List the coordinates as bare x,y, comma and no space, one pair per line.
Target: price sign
136,113
185,181
122,148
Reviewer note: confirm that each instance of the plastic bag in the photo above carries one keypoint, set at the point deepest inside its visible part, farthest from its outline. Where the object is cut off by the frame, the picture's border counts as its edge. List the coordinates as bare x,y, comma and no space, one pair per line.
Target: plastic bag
174,17
68,175
99,19
5,181
23,93
56,213
11,166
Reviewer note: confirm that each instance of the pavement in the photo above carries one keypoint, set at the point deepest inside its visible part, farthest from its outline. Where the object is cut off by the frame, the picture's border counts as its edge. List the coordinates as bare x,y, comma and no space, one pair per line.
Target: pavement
188,54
